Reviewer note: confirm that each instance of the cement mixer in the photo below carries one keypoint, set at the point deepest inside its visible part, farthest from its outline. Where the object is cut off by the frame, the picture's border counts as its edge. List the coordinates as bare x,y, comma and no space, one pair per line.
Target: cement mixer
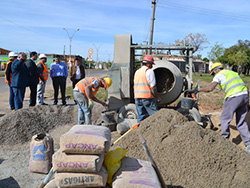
170,81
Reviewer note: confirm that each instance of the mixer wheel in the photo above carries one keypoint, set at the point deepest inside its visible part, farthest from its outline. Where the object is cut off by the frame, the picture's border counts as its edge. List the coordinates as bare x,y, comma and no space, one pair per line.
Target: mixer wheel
128,111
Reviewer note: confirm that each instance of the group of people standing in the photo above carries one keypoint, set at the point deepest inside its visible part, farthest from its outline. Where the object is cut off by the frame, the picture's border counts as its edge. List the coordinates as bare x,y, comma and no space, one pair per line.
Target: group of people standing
20,74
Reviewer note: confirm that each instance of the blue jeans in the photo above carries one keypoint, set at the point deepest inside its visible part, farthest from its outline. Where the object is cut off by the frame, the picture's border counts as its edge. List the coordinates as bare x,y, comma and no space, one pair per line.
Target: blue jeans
18,96
11,99
84,112
145,107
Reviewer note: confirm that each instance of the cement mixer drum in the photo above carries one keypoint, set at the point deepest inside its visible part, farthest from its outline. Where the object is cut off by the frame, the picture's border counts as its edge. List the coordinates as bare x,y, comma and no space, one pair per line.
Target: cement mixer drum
169,81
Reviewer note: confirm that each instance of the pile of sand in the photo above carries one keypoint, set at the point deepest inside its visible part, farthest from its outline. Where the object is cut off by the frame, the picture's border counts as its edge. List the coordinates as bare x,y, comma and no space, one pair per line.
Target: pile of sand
188,155
18,127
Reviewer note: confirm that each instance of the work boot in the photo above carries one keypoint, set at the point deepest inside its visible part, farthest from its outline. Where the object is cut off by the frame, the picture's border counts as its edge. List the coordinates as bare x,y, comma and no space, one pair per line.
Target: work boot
248,149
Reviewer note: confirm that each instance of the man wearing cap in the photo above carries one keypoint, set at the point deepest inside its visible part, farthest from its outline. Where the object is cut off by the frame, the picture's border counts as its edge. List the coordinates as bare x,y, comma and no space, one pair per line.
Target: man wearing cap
236,101
84,92
145,90
34,78
42,69
8,78
20,79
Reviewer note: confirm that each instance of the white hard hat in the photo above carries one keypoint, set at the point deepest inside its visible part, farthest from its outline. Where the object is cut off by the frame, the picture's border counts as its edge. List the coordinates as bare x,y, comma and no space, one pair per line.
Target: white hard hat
12,54
42,56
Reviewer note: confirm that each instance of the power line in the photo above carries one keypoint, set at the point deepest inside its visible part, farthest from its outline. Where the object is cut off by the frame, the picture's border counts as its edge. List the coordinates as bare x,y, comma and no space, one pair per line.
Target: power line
25,28
199,10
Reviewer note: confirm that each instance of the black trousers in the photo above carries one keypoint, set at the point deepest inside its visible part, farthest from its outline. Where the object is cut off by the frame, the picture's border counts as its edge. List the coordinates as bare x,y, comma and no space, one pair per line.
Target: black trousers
75,82
59,82
33,92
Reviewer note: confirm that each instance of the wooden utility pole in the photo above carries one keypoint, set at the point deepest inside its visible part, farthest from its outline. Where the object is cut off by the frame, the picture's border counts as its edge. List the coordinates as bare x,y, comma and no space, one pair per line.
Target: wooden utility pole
152,24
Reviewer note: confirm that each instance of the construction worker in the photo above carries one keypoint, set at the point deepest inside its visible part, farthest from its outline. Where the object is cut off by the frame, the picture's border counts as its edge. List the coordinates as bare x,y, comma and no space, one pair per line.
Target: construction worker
42,69
145,91
8,78
84,92
236,101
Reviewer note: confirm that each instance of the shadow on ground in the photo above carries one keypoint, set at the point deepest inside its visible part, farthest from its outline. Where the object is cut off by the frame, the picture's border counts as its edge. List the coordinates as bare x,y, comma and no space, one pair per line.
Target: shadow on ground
9,183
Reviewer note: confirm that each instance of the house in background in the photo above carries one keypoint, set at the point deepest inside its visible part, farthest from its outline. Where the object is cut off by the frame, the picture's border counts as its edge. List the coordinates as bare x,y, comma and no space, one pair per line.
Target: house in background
4,57
199,66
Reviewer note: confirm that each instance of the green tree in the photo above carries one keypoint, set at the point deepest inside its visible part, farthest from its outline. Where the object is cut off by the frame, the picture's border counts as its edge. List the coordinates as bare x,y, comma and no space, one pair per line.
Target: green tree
206,59
238,56
239,59
216,52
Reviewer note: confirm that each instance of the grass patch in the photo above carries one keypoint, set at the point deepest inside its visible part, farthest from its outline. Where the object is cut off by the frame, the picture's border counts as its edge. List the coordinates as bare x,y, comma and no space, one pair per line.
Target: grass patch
207,78
202,77
101,94
69,92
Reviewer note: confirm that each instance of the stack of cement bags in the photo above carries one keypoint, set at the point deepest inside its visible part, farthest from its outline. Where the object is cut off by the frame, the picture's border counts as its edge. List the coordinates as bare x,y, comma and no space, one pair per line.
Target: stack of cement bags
79,162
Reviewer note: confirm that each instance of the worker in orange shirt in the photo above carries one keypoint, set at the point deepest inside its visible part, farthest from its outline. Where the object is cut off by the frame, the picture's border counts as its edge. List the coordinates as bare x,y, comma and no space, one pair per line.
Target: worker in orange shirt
8,78
145,92
84,92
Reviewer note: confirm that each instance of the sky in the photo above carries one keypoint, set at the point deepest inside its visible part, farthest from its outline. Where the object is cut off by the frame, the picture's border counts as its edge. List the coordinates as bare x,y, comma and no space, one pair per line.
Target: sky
35,25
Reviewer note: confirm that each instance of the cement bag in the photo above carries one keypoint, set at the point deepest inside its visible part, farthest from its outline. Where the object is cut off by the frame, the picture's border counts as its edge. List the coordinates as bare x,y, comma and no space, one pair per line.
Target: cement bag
97,179
63,162
86,139
41,151
135,173
112,162
51,184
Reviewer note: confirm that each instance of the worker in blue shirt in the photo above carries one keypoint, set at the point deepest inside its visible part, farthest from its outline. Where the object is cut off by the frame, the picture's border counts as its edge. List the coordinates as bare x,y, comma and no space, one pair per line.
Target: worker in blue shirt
59,74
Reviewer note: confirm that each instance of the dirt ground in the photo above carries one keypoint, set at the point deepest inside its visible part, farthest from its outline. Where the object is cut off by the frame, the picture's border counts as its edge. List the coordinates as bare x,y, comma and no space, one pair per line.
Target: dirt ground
203,152
188,155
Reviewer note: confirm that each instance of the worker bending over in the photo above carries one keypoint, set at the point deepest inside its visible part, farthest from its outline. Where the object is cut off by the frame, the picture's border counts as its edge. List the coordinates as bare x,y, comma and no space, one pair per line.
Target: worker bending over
236,101
145,91
84,92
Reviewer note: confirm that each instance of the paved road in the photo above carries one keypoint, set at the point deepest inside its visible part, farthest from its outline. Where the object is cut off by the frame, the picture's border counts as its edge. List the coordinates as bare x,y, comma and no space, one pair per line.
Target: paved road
97,73
4,91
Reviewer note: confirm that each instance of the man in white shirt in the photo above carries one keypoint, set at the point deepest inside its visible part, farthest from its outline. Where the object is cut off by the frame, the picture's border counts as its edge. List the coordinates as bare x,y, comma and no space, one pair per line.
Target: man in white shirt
236,101
145,90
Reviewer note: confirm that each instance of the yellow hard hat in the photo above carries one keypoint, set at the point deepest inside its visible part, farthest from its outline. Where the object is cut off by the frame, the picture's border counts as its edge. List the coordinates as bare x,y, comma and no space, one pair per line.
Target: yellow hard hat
108,82
215,66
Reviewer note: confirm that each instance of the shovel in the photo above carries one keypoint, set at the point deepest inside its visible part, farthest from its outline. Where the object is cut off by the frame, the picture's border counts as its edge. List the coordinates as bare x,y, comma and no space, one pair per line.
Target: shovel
145,147
125,134
47,178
